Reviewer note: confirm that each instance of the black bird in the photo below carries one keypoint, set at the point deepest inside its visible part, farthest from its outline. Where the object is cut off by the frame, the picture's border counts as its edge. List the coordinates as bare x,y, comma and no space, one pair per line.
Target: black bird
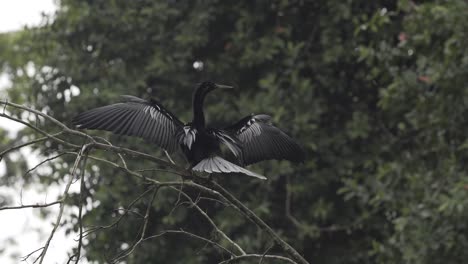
250,140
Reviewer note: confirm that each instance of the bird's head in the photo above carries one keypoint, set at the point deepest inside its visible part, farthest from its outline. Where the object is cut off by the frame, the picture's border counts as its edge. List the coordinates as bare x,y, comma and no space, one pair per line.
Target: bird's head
206,87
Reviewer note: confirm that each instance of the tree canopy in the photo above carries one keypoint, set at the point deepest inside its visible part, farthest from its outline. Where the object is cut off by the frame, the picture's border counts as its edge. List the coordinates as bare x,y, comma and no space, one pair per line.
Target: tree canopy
375,91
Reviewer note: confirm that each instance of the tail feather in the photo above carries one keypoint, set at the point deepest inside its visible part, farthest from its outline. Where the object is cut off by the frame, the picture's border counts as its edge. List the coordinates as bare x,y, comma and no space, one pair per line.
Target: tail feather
219,165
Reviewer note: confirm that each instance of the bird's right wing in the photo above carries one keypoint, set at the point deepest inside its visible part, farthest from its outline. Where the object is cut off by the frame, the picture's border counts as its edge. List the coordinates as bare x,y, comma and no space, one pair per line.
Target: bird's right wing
260,140
135,117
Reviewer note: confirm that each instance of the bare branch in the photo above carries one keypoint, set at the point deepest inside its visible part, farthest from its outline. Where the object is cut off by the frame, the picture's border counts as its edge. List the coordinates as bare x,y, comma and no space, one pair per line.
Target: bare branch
115,223
62,205
156,182
206,186
51,136
145,225
53,120
249,256
169,157
150,205
212,223
216,201
259,222
141,155
287,202
44,161
193,236
27,144
80,210
135,173
25,258
30,206
120,155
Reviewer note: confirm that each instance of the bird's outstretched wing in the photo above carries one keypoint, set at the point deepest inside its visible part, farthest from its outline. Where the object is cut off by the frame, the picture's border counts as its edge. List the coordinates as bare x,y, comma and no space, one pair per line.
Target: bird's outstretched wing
147,119
260,140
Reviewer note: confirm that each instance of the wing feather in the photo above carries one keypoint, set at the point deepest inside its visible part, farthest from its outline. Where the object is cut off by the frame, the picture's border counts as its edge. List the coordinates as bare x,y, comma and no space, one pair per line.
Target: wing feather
229,140
116,120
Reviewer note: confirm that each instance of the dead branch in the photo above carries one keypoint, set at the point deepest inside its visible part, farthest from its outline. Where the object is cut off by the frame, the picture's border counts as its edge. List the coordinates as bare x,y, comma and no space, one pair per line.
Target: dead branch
30,206
142,236
183,232
210,221
260,223
25,258
214,190
44,161
80,210
80,155
115,223
258,256
27,144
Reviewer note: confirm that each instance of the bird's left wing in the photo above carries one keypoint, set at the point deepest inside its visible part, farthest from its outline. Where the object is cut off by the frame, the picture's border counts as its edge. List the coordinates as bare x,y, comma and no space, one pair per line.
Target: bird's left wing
260,140
147,119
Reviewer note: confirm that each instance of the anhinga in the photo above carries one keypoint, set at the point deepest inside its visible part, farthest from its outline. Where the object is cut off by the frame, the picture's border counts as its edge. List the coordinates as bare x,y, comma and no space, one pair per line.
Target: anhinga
250,140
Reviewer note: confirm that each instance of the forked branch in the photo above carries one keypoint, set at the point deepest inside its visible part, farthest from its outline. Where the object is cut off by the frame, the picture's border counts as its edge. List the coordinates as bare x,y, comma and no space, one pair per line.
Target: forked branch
213,190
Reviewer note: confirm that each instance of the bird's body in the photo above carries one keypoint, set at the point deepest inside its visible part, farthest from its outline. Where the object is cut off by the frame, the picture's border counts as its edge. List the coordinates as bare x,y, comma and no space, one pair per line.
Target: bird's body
198,144
250,140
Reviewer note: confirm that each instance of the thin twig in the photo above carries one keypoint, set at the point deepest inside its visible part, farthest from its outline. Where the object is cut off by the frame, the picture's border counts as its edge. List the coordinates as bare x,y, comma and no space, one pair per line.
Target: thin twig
193,236
24,258
51,136
120,155
259,222
44,161
265,253
169,157
80,210
115,223
62,205
30,206
212,223
145,225
288,205
216,201
4,107
53,120
131,172
150,205
139,155
249,256
27,144
157,170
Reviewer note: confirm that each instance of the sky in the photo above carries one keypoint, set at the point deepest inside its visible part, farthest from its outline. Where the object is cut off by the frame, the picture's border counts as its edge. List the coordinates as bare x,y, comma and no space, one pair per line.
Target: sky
14,14
25,226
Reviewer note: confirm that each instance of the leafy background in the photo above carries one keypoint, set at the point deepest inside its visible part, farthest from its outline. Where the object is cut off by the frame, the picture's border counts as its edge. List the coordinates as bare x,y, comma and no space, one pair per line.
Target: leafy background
375,91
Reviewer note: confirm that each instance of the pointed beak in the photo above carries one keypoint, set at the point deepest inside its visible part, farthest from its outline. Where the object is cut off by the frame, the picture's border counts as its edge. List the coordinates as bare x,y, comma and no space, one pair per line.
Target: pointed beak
224,86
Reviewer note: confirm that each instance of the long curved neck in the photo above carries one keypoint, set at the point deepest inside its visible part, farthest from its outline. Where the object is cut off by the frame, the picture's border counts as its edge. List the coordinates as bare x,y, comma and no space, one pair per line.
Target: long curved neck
198,115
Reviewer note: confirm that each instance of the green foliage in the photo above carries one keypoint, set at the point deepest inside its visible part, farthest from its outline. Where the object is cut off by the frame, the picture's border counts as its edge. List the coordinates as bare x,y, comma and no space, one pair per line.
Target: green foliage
374,90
